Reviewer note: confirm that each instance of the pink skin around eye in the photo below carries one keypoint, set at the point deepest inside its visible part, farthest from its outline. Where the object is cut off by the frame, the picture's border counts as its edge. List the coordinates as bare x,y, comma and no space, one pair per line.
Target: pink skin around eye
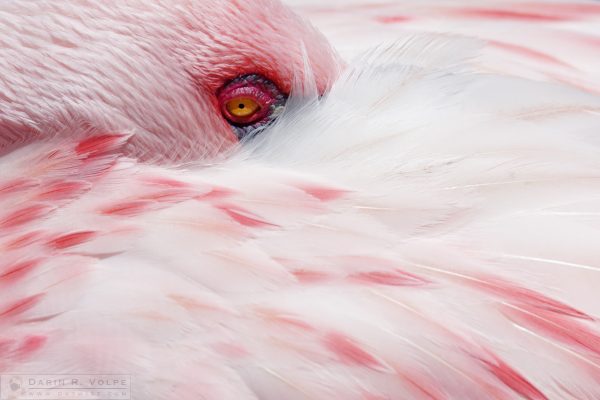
246,90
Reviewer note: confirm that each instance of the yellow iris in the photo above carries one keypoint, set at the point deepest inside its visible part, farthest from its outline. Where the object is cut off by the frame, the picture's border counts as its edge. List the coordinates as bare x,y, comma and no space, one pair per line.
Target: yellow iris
242,107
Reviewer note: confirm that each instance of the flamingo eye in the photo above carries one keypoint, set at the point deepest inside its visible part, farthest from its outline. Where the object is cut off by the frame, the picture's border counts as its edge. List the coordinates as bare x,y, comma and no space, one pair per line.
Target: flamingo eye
241,109
249,103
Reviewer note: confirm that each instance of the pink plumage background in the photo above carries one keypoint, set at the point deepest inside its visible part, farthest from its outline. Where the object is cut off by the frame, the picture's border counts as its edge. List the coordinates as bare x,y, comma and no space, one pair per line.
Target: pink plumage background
217,201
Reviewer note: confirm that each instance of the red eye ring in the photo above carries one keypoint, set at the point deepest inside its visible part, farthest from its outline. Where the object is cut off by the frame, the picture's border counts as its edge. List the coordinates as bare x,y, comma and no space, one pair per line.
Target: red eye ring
249,101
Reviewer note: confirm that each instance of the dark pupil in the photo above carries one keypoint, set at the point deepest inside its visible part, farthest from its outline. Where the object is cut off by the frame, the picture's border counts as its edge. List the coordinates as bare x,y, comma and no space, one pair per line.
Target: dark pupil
241,106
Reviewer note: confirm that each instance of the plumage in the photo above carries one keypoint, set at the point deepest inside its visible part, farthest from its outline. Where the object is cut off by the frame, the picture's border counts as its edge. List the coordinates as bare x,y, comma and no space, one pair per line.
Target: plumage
424,230
547,40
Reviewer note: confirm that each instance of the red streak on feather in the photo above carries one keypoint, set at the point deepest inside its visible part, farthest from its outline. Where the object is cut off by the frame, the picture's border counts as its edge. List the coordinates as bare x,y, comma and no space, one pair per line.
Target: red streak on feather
21,306
285,319
150,201
63,190
98,145
54,155
512,379
559,327
425,386
323,193
175,195
127,208
530,53
166,182
24,215
30,345
16,185
244,217
23,240
72,239
392,278
308,276
572,9
194,305
293,322
392,19
216,193
349,352
18,270
498,14
520,295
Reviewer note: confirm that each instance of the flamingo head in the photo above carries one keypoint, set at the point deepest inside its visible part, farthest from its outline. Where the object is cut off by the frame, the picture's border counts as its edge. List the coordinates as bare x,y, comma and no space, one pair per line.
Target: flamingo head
186,78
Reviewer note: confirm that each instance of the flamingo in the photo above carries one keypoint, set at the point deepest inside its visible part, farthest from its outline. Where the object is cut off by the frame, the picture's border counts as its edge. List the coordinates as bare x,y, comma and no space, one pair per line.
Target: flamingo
208,198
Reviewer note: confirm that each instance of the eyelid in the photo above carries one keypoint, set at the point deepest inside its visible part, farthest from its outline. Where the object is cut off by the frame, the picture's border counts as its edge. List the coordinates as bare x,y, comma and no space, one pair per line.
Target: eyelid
248,91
